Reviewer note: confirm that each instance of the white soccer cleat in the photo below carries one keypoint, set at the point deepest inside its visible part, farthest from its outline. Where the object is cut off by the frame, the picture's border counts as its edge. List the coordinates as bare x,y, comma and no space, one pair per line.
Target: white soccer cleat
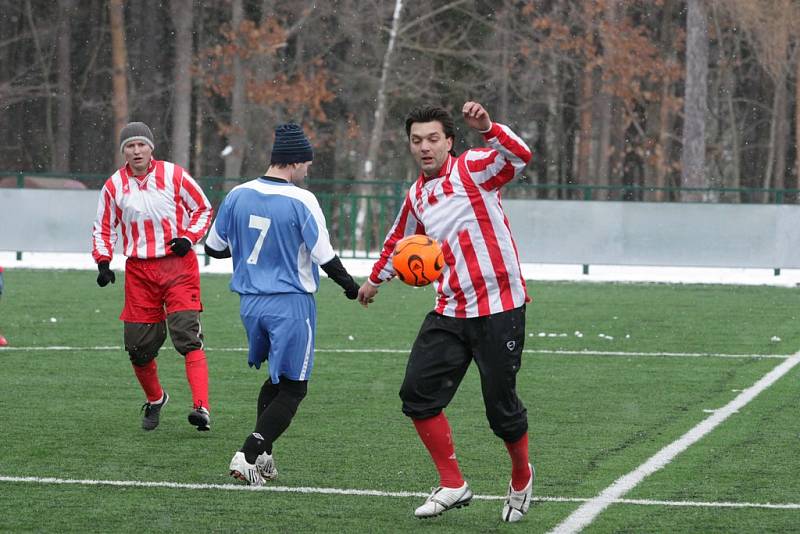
241,470
518,502
443,499
266,466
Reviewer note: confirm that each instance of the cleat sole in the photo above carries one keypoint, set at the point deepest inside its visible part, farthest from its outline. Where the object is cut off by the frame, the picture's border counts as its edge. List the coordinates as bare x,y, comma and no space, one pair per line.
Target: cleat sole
458,505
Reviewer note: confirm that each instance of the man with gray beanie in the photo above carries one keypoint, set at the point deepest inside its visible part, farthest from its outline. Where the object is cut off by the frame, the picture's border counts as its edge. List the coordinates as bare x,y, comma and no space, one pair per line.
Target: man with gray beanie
276,234
162,213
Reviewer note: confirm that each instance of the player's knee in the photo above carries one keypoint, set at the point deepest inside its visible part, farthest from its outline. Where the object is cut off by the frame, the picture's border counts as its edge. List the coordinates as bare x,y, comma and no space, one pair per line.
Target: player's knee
417,406
509,427
185,331
143,340
408,391
141,359
292,392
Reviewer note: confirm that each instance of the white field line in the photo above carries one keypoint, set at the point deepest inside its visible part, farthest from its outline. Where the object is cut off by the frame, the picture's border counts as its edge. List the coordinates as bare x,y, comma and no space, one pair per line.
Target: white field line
368,493
405,351
587,512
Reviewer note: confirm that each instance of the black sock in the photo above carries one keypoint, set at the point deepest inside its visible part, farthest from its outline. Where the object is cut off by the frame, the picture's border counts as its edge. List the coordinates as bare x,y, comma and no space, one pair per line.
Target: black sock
267,394
272,422
275,418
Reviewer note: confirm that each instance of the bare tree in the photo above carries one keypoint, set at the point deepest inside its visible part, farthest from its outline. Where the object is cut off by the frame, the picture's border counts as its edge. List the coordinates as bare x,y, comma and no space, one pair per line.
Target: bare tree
237,126
368,169
119,59
771,28
605,105
63,130
694,114
182,11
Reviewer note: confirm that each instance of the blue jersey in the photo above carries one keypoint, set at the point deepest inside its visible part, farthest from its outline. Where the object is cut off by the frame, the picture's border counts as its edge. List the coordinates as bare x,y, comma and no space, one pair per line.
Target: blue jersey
277,236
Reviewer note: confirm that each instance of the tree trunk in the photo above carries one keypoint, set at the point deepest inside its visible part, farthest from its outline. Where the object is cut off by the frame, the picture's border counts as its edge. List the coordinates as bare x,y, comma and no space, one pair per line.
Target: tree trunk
782,129
776,151
505,62
236,137
181,11
694,109
44,63
63,133
663,147
199,101
605,104
368,169
585,125
796,175
119,60
552,133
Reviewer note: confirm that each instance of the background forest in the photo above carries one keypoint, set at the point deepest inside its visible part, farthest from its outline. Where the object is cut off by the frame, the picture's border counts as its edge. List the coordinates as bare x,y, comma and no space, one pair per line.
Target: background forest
659,94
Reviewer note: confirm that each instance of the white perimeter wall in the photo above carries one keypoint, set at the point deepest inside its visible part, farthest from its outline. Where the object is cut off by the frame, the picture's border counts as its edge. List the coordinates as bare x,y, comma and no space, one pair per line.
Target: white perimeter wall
546,231
668,234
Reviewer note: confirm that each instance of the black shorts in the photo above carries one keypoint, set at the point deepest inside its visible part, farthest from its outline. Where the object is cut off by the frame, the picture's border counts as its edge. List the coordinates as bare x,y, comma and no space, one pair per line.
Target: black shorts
441,354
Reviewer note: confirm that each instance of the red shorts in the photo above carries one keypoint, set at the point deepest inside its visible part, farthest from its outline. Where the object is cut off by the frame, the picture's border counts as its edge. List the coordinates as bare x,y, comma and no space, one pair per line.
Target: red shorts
160,286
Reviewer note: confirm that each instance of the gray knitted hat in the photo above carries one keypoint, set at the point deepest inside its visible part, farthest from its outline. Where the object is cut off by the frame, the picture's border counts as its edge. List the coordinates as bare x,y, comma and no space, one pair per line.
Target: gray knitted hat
135,131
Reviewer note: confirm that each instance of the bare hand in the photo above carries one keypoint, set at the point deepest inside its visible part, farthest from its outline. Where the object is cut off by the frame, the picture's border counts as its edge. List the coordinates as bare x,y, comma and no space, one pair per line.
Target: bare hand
366,294
476,116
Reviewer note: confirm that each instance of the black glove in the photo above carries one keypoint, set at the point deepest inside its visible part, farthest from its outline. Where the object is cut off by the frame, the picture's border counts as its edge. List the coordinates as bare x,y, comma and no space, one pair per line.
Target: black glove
336,272
106,275
180,245
351,292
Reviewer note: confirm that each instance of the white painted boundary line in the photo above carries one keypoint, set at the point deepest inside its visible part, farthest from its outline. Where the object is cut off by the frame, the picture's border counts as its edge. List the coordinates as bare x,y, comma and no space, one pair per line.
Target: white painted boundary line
587,512
405,351
368,493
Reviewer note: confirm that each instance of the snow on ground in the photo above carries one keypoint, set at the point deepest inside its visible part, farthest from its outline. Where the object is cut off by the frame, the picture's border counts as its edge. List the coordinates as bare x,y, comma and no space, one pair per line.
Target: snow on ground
541,272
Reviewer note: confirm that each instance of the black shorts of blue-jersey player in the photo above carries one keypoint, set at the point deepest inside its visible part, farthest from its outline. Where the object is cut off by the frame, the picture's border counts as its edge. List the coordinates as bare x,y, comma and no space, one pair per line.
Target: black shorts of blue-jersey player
442,353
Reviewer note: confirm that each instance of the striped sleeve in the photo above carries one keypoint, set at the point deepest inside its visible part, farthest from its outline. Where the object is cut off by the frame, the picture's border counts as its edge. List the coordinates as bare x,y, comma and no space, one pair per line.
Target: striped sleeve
196,204
406,223
504,159
104,235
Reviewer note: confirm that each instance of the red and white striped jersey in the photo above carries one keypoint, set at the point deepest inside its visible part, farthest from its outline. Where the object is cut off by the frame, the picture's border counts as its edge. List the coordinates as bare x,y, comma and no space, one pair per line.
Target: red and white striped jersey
151,209
461,209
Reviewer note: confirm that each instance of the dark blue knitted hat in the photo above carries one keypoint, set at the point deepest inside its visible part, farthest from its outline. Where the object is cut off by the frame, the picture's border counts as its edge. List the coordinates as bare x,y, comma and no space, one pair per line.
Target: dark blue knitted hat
291,145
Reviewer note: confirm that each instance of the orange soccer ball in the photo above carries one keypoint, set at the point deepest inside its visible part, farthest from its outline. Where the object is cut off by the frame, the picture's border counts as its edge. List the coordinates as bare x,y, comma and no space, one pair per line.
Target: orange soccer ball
417,260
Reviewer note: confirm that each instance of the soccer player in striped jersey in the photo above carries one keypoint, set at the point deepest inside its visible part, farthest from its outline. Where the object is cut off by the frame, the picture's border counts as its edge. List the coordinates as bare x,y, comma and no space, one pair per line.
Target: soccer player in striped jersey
480,309
161,213
275,231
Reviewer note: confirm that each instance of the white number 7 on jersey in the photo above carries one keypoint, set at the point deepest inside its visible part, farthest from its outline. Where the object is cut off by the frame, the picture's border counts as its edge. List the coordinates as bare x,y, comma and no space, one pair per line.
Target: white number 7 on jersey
261,224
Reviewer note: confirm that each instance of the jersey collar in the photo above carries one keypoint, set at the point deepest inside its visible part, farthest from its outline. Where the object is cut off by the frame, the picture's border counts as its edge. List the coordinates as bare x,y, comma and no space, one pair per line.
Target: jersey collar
444,171
274,179
150,168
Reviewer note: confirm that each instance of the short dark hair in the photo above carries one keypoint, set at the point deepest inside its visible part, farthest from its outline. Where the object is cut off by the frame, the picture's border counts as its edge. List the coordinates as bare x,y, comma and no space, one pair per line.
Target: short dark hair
429,114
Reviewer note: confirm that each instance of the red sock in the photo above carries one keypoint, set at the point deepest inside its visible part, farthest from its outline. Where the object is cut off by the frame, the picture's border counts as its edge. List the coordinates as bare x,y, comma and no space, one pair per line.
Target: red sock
520,471
435,434
148,378
197,375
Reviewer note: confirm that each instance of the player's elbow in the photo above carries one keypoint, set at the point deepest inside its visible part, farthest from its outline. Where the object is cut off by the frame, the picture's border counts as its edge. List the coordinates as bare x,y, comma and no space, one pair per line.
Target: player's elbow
219,254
